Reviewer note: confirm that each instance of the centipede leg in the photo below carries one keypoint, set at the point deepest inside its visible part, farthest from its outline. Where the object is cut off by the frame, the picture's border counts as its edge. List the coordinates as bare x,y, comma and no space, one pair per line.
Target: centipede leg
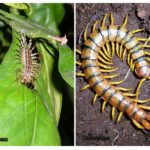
110,76
113,48
103,106
117,49
85,87
147,53
95,98
148,59
144,107
104,66
137,124
119,116
85,34
141,101
116,82
138,87
106,53
104,20
94,26
80,74
124,53
105,60
128,59
125,21
111,19
78,63
78,51
113,113
108,49
130,94
131,64
137,30
121,51
123,89
145,46
108,70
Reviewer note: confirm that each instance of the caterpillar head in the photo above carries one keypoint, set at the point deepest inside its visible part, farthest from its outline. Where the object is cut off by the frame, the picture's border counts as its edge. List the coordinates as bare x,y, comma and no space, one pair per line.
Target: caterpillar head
143,71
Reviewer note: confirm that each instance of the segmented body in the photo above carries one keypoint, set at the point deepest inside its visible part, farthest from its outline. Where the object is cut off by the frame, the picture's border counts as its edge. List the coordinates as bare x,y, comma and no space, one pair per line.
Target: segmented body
90,64
29,61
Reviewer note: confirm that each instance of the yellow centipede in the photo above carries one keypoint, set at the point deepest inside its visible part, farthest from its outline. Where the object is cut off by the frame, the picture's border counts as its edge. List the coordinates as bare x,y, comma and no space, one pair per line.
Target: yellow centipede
137,60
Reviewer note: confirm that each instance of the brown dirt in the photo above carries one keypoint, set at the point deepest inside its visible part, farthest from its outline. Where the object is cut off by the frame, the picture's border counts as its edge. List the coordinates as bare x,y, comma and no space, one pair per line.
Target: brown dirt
94,127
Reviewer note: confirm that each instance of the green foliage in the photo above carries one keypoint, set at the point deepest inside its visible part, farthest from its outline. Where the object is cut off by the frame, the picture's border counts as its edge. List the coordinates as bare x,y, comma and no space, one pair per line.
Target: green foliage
30,117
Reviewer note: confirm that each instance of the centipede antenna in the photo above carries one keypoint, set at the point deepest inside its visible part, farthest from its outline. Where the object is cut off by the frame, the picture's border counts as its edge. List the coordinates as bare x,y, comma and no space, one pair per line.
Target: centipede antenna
94,26
104,20
94,99
85,87
125,21
111,19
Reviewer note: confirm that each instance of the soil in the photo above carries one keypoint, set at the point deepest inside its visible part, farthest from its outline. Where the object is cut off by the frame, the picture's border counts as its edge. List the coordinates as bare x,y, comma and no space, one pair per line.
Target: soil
92,126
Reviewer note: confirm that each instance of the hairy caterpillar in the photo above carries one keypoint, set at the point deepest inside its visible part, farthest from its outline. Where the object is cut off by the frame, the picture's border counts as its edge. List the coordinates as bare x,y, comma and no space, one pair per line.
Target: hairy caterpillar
29,61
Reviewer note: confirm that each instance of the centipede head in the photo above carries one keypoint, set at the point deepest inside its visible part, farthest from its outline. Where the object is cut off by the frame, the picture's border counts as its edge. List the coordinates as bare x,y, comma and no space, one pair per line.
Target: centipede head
143,71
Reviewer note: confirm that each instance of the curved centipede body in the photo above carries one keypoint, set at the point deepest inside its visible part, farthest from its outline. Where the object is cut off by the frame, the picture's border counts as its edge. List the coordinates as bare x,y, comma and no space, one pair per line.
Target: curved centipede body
29,61
117,36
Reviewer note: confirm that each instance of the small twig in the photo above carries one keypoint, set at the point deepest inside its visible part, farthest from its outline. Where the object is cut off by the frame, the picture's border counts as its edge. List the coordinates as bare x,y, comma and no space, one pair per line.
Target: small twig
112,143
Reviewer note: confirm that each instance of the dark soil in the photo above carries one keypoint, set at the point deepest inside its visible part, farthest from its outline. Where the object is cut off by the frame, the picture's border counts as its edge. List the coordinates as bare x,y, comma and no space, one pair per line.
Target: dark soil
94,127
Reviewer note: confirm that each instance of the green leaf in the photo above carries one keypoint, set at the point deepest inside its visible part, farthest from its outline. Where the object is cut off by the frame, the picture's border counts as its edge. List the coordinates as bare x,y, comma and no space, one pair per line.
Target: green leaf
18,5
66,64
52,78
50,15
28,117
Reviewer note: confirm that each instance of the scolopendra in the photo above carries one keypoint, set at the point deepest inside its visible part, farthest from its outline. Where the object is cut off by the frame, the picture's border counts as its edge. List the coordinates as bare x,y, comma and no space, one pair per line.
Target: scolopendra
29,61
96,54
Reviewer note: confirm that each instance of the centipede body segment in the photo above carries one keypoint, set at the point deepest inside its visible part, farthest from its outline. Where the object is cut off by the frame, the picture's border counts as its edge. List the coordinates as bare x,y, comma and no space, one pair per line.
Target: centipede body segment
96,58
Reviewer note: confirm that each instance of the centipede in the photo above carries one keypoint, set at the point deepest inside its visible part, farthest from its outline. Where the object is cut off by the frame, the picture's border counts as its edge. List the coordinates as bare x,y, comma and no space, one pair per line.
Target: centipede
29,60
96,59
